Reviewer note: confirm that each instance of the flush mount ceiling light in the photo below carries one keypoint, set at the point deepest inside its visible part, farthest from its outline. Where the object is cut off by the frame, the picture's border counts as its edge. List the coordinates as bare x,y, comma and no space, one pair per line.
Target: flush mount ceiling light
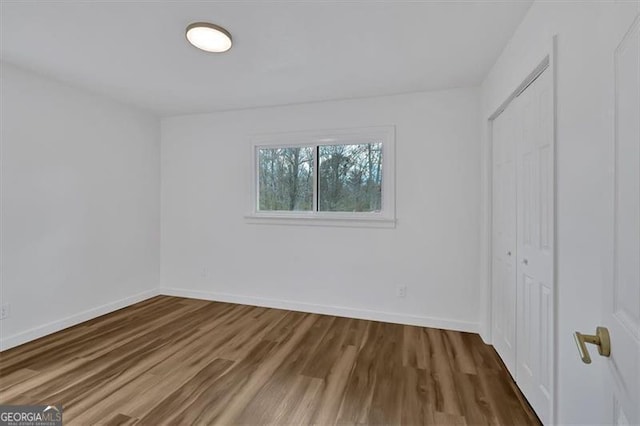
209,37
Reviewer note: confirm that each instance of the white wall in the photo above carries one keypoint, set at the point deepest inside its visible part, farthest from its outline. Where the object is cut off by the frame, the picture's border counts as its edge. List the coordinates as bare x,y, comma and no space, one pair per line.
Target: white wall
209,251
80,205
587,35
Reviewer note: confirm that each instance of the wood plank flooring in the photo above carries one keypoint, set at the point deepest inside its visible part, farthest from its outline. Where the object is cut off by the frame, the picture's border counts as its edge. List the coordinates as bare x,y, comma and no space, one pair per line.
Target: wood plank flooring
171,360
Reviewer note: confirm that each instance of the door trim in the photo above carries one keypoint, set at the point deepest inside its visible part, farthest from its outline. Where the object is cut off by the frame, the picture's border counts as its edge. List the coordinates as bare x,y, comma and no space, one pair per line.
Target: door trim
548,62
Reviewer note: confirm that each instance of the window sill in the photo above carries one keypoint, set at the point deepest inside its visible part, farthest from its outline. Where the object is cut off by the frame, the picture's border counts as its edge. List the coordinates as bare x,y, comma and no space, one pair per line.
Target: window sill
338,220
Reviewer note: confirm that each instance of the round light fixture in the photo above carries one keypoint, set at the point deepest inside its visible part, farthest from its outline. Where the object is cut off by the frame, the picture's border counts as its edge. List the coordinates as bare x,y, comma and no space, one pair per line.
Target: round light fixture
209,37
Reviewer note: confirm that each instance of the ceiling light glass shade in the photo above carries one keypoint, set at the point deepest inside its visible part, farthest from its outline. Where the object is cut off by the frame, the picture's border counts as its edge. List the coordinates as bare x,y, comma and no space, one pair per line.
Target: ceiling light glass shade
209,37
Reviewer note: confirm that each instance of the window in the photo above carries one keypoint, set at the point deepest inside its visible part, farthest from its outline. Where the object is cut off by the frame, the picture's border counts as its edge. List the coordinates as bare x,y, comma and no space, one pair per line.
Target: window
285,177
350,177
339,177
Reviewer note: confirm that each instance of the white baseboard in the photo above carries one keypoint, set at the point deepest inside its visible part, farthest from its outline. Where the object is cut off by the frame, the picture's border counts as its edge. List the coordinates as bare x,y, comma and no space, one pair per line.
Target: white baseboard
54,326
485,334
339,311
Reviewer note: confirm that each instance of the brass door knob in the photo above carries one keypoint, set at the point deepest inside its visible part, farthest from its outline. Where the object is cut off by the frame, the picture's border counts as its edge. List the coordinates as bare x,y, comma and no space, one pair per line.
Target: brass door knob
601,340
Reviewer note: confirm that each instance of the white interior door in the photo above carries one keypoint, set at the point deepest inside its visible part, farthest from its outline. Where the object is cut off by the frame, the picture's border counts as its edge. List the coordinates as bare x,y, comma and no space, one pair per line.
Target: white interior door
504,237
535,238
622,299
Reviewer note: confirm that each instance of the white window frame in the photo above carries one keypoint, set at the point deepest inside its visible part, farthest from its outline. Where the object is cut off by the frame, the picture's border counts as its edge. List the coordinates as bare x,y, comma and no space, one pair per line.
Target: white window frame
385,218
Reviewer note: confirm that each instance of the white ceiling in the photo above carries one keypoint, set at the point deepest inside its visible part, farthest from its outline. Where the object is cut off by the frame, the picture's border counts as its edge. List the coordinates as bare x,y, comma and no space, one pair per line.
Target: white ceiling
283,52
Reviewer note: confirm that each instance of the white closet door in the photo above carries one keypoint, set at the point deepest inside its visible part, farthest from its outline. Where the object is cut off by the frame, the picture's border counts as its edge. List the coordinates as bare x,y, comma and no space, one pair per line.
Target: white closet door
535,170
504,237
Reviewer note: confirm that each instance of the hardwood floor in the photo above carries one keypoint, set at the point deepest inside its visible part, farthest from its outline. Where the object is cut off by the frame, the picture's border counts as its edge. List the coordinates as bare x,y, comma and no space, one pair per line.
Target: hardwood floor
170,360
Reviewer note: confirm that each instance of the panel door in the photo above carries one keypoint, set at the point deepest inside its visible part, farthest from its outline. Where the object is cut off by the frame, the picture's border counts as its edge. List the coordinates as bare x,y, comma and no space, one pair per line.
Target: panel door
535,236
622,298
504,237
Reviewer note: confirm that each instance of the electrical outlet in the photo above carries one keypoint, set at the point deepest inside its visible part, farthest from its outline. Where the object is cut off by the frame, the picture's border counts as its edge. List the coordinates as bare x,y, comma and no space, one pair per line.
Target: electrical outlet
401,291
5,311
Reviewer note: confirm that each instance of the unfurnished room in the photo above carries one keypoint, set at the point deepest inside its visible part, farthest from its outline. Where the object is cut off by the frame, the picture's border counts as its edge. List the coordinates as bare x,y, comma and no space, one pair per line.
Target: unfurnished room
319,212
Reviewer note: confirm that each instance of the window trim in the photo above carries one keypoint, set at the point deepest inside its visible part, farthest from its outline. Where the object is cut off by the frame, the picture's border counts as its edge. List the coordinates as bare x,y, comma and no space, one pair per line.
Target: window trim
385,218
